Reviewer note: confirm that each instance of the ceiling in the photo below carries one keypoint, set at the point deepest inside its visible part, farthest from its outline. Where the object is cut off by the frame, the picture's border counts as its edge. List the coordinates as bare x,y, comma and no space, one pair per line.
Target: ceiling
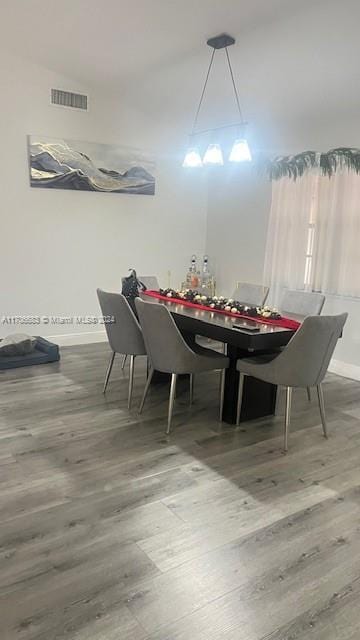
291,57
108,41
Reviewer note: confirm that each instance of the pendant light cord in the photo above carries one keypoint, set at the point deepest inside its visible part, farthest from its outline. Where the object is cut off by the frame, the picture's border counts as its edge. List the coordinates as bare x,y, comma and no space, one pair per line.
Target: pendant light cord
234,85
193,132
203,92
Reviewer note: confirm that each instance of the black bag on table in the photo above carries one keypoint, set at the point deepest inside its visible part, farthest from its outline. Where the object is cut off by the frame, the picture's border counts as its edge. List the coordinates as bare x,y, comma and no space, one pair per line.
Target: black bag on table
131,288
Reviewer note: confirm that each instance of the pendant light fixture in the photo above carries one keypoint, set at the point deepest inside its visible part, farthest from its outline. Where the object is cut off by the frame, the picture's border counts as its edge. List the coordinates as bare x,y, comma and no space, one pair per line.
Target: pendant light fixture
192,158
240,151
213,155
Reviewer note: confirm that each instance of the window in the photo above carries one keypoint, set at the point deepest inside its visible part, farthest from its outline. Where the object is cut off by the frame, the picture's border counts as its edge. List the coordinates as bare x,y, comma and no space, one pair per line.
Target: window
311,235
314,235
309,255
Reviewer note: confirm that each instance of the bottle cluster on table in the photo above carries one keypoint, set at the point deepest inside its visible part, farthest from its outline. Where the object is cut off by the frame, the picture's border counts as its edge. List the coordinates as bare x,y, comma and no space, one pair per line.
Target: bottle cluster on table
204,281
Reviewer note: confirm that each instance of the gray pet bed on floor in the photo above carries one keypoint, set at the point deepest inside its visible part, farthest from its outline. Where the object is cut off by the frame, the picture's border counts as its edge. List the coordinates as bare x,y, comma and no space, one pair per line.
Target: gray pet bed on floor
44,352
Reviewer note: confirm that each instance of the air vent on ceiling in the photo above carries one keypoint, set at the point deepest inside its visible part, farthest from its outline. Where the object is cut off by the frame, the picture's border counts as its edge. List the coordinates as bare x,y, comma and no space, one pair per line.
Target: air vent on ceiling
68,99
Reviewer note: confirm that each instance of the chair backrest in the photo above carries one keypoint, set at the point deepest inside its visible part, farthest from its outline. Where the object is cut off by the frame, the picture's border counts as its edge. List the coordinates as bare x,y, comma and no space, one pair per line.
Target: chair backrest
251,294
302,303
150,282
305,360
124,335
165,345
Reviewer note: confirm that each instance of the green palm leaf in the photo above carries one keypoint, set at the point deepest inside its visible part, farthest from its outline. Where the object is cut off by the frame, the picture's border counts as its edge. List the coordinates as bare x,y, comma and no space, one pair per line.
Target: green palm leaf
329,163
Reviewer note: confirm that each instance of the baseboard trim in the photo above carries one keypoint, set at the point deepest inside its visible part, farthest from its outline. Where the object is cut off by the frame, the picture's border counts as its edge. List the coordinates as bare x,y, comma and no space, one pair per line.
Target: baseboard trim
72,339
345,369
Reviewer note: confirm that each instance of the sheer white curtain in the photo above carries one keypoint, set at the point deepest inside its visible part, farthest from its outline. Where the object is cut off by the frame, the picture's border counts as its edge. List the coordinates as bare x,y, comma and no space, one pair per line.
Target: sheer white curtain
336,258
287,239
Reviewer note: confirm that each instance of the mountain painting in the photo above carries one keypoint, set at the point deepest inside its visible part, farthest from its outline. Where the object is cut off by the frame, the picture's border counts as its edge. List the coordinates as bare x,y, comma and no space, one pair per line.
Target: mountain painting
86,166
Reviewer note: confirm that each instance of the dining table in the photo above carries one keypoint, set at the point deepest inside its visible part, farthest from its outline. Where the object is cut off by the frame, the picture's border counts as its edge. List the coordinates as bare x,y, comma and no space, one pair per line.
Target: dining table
243,337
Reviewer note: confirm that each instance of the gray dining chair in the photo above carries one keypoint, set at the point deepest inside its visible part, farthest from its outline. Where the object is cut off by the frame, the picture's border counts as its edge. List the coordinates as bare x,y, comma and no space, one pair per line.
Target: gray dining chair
302,363
152,283
253,295
169,353
302,303
124,335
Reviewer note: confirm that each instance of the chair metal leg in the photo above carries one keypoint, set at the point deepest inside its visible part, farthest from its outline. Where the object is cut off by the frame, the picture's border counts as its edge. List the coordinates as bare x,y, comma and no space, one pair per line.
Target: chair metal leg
191,398
108,371
123,361
322,409
222,393
171,400
308,391
287,416
277,401
147,385
240,396
131,380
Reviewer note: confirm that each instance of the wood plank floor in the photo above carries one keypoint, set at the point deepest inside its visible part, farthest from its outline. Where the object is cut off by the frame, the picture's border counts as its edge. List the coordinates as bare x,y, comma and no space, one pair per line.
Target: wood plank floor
112,530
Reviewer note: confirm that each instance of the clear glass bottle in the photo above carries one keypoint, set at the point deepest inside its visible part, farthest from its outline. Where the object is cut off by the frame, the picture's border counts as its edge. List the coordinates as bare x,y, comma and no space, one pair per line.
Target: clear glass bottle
192,277
207,281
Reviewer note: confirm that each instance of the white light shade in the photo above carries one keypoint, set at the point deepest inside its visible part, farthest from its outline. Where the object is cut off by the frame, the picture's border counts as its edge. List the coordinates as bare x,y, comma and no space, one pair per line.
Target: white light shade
213,155
240,152
192,158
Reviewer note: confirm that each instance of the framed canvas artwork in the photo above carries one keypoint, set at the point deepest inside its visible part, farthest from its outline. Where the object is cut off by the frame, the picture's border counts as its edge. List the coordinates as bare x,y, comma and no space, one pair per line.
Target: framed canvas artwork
89,166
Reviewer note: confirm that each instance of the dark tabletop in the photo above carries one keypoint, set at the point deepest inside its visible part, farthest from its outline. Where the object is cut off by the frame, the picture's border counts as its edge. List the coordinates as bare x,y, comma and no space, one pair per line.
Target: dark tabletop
221,327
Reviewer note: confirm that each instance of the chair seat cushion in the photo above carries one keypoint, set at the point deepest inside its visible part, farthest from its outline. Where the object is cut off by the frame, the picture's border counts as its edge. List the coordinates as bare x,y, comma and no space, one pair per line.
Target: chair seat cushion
264,358
253,366
209,359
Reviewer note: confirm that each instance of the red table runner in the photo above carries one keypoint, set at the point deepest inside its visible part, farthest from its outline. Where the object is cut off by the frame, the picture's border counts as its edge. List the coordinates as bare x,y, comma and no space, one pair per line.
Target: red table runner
286,323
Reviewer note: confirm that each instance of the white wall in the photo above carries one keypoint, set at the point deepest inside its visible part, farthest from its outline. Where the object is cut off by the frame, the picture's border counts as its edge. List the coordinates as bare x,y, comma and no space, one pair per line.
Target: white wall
57,246
237,223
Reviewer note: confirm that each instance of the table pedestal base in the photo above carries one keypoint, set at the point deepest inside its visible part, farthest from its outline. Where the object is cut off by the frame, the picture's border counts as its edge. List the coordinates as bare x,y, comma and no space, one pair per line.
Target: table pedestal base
259,398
